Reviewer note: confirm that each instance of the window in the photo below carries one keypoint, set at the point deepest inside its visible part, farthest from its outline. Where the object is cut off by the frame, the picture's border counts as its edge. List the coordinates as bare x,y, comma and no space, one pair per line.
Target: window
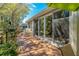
61,14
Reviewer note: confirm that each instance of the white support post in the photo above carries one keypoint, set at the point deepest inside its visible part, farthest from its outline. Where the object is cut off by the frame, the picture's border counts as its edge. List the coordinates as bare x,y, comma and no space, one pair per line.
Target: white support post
74,32
38,27
44,27
33,28
52,42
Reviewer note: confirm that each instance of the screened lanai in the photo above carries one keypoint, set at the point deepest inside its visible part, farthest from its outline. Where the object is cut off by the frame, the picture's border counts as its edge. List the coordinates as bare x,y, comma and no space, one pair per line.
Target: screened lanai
52,25
55,26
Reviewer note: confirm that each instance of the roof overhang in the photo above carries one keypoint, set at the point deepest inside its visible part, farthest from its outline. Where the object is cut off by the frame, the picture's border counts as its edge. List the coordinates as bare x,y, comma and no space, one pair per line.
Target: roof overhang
44,12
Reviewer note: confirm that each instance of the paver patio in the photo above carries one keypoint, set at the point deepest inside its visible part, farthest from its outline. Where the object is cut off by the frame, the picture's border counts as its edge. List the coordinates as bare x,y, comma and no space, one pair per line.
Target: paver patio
31,46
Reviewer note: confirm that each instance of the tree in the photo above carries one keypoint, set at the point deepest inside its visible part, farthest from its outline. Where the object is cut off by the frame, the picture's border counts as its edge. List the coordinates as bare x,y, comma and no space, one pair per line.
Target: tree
65,6
12,14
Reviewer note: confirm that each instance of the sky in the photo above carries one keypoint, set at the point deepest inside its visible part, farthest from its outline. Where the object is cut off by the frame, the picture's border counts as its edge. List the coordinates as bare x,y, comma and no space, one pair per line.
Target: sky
35,8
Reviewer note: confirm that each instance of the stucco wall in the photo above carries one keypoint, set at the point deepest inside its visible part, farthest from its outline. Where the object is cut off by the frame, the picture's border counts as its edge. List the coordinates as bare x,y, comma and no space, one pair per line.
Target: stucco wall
74,38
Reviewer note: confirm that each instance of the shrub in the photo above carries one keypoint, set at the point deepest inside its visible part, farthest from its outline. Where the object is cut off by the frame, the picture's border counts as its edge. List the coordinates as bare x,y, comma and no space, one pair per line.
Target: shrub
8,49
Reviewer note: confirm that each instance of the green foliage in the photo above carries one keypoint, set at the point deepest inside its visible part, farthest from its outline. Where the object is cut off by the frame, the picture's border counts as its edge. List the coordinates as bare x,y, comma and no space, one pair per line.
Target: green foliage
11,14
36,27
42,26
65,6
8,49
49,26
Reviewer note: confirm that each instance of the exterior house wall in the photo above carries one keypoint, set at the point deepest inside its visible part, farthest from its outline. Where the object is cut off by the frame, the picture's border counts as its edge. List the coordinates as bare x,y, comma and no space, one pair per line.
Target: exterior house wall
74,32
